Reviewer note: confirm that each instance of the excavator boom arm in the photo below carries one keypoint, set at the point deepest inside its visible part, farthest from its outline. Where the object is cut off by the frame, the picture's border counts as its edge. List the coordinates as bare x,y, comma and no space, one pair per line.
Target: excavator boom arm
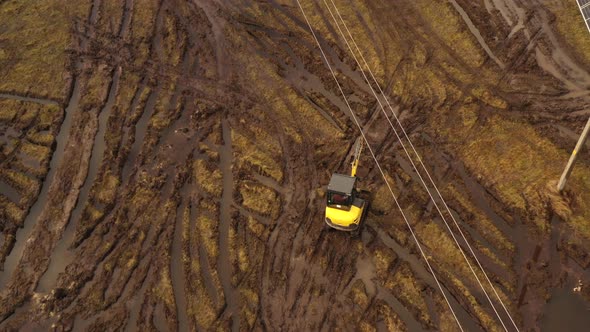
358,148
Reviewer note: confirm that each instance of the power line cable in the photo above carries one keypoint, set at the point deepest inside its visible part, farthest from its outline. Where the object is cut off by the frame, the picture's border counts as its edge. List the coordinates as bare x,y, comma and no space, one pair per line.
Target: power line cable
379,166
421,163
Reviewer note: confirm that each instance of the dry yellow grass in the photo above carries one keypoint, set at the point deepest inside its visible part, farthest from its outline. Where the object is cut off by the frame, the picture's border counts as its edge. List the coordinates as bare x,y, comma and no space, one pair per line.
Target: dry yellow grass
409,290
449,26
107,190
247,153
208,177
35,37
570,25
208,230
260,199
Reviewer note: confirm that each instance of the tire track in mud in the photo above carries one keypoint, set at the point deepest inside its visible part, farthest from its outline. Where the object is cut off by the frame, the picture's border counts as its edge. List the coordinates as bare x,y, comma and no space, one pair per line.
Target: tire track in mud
224,265
60,257
140,131
466,317
41,101
60,142
475,32
22,234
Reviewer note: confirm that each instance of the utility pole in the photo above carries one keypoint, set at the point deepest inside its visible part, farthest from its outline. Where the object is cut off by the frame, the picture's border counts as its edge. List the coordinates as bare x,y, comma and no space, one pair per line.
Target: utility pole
570,163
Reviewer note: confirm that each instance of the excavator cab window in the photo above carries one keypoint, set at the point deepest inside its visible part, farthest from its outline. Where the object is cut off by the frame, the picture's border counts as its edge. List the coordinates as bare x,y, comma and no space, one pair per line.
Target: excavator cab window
339,199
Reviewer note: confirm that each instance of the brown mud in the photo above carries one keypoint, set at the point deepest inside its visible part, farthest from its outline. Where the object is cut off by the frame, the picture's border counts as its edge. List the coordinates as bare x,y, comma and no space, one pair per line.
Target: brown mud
180,182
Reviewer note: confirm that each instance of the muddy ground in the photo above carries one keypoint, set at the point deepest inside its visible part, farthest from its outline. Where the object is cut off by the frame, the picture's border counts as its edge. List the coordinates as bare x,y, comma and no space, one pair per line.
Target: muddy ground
163,165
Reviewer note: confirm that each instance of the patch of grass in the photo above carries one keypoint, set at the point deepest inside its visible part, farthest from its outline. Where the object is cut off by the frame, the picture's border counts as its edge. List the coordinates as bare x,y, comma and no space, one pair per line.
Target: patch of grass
260,198
259,229
164,288
446,321
208,229
44,139
36,34
409,290
251,301
200,306
358,294
449,26
48,114
479,220
390,317
28,116
381,200
487,97
142,25
8,109
446,254
243,261
13,212
163,112
511,158
570,25
107,189
208,177
384,259
96,87
19,181
92,213
142,197
111,13
365,326
174,40
38,152
246,152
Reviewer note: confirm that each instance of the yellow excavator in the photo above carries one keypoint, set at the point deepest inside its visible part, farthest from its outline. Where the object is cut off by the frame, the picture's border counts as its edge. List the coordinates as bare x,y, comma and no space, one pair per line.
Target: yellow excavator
345,210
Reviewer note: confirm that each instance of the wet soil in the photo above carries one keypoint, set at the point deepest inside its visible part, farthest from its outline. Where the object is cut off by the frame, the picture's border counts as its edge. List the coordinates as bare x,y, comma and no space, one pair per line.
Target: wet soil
185,189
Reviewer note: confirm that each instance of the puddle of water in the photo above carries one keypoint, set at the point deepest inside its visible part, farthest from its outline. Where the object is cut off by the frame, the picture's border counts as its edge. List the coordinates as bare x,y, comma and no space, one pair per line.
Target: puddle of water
566,311
9,192
136,303
365,270
29,161
6,137
24,233
159,319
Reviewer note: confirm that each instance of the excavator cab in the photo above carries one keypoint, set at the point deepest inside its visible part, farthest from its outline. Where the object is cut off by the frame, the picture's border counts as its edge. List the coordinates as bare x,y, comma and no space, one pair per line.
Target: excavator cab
344,208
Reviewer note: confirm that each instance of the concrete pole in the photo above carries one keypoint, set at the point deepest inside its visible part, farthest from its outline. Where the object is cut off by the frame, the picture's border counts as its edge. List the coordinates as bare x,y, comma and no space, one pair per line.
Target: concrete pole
570,163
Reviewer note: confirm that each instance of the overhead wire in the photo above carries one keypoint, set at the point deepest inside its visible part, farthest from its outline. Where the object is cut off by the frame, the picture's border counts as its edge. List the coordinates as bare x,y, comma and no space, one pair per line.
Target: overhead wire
379,166
421,163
